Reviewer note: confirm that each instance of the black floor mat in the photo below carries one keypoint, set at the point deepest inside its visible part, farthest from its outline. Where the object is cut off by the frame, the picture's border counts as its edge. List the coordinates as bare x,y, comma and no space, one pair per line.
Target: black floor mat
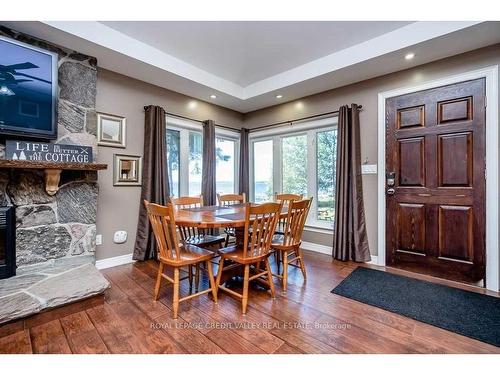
466,313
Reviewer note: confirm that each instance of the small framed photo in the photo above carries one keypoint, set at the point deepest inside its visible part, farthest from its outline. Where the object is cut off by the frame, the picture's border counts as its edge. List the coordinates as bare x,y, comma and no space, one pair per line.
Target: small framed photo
127,170
111,130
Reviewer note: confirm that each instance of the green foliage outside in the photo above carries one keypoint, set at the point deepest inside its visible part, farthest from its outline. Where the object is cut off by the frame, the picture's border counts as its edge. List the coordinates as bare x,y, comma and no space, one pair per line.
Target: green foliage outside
195,153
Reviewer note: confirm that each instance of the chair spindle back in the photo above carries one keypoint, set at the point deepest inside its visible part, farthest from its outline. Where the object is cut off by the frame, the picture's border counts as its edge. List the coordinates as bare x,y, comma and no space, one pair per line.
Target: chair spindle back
188,202
295,221
183,203
164,229
286,199
262,219
231,199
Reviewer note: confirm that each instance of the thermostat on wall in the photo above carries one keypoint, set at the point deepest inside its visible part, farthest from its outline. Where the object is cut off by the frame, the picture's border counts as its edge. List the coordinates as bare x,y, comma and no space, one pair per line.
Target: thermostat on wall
120,236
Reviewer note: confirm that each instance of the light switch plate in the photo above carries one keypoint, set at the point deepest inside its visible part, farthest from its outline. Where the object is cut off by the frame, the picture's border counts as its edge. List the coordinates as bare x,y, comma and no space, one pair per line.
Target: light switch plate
369,169
98,239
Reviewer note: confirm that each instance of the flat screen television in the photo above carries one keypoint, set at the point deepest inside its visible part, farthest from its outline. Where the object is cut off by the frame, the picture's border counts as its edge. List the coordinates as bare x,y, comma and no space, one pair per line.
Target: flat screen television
28,90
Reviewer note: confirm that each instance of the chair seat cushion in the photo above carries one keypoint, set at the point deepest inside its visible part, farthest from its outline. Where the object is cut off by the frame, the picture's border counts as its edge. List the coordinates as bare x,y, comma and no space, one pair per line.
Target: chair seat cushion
204,240
189,254
236,253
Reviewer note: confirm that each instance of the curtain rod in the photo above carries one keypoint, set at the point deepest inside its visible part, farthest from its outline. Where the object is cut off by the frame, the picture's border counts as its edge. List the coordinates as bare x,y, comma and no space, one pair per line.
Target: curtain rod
360,107
200,121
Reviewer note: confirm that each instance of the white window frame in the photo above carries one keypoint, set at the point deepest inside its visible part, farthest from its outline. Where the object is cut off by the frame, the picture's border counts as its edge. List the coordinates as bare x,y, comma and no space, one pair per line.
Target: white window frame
310,129
235,137
184,126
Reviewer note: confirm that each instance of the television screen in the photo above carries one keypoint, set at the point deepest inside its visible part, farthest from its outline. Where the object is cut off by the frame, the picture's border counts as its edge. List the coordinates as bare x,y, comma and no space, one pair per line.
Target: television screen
28,90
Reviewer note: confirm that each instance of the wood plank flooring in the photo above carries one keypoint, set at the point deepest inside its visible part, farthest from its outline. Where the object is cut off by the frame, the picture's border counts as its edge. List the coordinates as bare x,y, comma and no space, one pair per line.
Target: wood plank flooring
308,319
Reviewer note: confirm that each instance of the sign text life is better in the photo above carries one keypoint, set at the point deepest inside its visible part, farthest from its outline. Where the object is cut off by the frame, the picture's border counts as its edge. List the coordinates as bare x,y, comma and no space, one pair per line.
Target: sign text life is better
48,152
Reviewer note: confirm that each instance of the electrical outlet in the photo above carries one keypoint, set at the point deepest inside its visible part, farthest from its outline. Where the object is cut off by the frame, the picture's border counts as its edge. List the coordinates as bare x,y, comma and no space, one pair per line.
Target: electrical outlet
98,239
120,236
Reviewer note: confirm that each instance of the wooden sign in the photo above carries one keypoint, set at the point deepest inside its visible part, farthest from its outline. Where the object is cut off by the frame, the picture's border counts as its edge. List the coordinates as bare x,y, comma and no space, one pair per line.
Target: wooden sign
50,152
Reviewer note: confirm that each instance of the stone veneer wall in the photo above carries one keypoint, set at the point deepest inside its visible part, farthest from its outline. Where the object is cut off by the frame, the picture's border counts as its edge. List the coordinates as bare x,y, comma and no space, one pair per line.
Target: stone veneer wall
64,225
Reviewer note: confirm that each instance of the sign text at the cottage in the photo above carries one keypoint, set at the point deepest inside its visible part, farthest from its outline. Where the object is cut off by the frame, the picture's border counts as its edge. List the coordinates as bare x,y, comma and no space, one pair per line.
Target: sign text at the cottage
49,152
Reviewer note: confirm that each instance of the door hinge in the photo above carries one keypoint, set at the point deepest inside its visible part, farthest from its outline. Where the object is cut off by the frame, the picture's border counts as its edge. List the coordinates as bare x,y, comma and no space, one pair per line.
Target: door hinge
485,102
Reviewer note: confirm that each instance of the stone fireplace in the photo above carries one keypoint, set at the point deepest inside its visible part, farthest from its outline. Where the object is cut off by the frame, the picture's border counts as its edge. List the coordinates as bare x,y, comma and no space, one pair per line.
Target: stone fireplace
55,234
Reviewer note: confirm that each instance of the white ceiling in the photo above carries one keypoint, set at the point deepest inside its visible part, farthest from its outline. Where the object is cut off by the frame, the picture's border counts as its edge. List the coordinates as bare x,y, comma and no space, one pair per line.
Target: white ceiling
246,64
248,52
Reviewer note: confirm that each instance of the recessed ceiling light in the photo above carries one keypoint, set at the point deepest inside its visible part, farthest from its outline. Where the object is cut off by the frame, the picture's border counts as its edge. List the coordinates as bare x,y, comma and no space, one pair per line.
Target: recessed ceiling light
279,96
213,96
409,56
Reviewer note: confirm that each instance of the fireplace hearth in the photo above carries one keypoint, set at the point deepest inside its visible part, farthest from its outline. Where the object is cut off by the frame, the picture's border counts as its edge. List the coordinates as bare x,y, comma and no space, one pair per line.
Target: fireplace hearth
7,242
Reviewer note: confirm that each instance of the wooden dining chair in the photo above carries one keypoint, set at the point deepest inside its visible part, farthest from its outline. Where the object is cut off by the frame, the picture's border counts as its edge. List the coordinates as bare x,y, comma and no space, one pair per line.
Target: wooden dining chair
287,245
205,238
194,235
286,199
260,223
176,255
230,200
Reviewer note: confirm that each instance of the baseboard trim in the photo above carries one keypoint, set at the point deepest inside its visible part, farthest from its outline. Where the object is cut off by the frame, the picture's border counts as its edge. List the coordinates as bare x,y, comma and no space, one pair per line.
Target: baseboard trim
114,261
311,246
316,247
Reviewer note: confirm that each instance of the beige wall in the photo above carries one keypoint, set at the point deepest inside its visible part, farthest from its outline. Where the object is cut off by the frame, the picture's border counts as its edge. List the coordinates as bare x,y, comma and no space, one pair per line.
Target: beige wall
120,95
366,94
118,206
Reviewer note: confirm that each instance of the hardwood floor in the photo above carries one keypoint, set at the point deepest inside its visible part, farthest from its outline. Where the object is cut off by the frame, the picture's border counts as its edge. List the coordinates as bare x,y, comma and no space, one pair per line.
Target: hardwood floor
309,319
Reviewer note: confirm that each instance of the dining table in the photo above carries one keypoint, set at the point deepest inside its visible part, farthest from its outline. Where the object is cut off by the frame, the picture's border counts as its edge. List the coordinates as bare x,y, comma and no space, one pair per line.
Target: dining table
217,217
220,217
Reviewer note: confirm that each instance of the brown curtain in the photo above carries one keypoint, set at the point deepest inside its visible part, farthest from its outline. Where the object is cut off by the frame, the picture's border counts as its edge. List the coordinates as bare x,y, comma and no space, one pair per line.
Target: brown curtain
350,241
208,186
154,178
243,184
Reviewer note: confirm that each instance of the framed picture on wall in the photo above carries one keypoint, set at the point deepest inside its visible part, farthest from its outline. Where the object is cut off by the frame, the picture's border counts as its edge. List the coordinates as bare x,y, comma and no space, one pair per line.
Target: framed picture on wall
111,130
127,170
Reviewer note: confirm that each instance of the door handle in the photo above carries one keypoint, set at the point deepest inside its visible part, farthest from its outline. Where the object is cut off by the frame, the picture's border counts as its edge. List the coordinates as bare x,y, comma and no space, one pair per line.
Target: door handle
390,191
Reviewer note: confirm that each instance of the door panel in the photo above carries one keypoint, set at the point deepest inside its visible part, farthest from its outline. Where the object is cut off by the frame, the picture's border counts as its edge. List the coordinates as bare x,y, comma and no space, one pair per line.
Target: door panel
435,145
455,110
409,117
455,160
454,220
411,228
411,162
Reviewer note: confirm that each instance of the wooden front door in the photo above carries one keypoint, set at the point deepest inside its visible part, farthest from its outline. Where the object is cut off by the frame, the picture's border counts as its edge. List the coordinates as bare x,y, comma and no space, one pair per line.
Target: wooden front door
435,185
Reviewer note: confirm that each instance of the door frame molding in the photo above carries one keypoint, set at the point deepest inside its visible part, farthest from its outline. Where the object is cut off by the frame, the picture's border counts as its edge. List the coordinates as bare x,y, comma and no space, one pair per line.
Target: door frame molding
492,164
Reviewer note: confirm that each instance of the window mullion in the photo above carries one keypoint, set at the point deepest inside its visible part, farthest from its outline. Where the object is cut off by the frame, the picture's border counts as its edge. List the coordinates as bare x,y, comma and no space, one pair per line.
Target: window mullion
237,156
277,165
311,171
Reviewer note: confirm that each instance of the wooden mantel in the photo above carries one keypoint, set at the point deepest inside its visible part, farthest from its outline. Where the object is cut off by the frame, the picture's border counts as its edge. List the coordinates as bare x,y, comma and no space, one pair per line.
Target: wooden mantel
52,170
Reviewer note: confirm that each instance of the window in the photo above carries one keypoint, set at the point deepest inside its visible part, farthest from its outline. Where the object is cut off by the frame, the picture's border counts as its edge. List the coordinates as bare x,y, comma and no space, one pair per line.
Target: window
326,159
225,151
298,162
195,162
294,164
185,158
263,171
173,160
